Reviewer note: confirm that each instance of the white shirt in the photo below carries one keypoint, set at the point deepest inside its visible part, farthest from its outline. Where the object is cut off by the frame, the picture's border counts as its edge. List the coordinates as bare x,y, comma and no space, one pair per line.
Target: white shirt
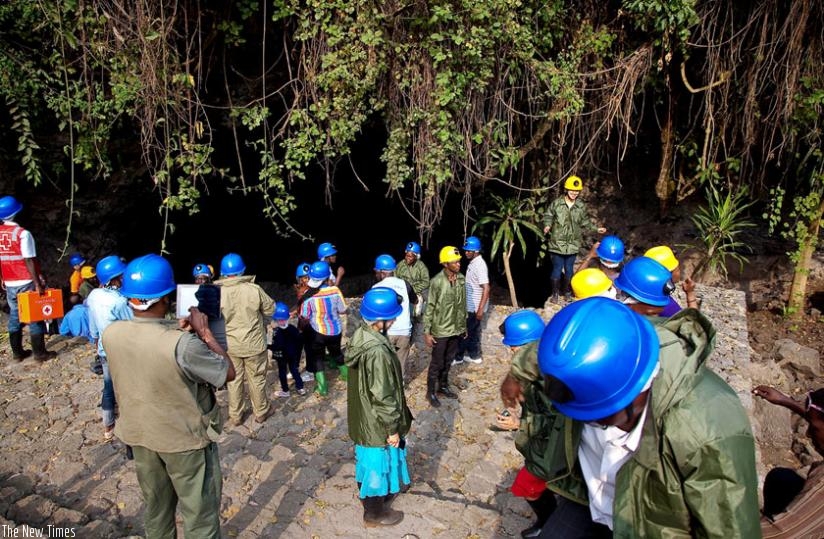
403,323
105,306
477,275
601,454
27,250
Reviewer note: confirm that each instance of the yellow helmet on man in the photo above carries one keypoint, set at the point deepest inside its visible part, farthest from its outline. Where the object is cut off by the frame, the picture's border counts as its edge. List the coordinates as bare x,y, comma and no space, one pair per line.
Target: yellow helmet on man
573,183
449,254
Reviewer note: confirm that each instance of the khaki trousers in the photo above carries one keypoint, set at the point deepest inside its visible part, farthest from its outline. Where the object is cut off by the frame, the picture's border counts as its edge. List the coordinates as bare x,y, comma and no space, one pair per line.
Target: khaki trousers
252,371
191,480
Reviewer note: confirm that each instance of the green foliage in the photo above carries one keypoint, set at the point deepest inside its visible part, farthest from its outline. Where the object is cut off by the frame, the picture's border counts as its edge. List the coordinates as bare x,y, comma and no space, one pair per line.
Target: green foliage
720,224
670,21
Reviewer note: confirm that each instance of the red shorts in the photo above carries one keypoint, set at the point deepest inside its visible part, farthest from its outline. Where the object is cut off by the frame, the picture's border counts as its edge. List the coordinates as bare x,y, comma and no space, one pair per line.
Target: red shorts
527,484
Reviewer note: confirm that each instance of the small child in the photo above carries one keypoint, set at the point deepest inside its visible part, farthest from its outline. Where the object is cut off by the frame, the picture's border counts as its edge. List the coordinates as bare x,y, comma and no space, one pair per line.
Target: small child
286,346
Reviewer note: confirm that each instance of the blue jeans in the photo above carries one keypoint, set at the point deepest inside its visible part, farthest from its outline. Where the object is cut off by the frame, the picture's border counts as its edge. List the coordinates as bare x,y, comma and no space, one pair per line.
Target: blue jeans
36,328
562,262
108,402
471,344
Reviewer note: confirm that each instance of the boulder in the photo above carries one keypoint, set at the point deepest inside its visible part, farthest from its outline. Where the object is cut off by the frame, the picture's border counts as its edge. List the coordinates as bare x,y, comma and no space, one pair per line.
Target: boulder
802,362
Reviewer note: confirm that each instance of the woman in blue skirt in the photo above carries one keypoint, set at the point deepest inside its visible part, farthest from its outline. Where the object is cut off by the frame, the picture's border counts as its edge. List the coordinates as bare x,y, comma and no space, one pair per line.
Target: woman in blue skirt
377,413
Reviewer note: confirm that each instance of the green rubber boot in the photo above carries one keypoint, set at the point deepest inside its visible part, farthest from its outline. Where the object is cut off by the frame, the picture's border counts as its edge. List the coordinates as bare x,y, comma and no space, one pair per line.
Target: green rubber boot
321,386
344,372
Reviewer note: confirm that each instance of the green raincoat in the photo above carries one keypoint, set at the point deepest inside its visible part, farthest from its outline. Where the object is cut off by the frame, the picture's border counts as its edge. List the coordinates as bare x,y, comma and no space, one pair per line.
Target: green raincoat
376,404
567,226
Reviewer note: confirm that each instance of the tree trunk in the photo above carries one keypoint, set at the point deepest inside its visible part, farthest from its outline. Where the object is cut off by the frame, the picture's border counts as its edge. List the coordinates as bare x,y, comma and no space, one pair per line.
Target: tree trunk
508,273
664,185
798,288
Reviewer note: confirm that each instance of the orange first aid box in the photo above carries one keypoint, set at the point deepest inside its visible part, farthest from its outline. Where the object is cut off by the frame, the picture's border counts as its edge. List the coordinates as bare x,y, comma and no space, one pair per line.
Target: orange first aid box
33,307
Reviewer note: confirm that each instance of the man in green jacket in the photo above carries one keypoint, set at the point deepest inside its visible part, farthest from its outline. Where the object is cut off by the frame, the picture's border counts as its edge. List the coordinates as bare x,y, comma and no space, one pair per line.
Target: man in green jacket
565,220
642,431
444,323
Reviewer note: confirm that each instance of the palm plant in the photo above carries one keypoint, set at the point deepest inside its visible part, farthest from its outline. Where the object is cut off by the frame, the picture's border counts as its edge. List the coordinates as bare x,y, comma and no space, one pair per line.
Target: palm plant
720,224
510,217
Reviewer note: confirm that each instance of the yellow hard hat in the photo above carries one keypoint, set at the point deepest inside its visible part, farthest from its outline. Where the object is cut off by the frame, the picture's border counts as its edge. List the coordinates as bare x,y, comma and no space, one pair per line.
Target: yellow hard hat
589,282
573,183
449,254
664,256
87,272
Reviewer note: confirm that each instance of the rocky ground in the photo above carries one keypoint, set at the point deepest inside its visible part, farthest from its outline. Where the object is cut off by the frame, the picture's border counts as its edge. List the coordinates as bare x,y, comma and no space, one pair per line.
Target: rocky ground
293,475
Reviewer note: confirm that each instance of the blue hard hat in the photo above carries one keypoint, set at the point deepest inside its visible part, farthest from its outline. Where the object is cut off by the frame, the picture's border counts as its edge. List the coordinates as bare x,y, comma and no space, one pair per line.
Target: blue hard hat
281,311
472,244
302,271
202,269
320,270
147,277
232,264
326,249
647,281
76,259
9,206
413,247
108,268
385,263
381,303
602,352
611,249
522,327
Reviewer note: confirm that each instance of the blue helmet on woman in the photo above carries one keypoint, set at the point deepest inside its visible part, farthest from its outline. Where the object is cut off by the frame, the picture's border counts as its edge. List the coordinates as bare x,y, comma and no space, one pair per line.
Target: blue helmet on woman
385,263
472,243
522,327
148,277
108,268
599,356
381,303
647,281
611,249
320,271
9,207
326,249
232,264
413,247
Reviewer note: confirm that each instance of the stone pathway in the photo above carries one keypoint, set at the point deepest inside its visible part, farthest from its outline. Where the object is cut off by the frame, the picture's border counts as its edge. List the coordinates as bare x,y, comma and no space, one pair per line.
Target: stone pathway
294,475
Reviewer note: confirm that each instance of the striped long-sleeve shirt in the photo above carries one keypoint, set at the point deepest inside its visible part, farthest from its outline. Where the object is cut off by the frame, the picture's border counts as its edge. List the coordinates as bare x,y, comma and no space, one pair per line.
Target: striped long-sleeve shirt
324,309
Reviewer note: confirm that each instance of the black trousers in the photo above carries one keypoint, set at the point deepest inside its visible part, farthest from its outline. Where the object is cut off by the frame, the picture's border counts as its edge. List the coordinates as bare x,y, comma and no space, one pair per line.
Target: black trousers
443,352
572,520
319,345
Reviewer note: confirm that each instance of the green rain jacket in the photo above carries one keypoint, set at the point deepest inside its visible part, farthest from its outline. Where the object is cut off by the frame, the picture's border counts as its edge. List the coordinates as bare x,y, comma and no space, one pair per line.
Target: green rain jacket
693,474
376,404
445,314
566,226
416,275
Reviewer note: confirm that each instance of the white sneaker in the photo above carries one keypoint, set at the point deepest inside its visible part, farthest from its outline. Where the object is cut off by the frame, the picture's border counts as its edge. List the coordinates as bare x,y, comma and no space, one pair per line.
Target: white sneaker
473,359
307,376
301,391
457,362
282,394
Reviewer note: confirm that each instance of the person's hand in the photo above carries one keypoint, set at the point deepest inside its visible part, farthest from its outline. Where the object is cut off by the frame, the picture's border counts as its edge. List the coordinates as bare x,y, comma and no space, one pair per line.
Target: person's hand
546,230
479,315
688,286
511,392
594,251
770,394
429,340
198,321
602,230
394,440
507,420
